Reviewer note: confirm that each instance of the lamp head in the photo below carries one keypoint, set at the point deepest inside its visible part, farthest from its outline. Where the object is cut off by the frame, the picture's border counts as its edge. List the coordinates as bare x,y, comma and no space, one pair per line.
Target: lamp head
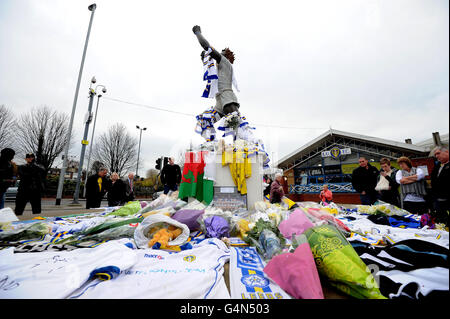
144,128
92,7
93,80
137,126
104,90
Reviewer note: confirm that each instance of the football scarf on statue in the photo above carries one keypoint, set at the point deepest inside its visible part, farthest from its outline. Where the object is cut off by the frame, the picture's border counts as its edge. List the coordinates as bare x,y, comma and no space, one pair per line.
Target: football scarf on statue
210,75
205,124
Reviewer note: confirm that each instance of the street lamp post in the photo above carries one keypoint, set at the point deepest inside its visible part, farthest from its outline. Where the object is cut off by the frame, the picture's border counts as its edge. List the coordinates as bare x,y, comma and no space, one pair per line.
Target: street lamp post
92,137
84,142
91,8
139,149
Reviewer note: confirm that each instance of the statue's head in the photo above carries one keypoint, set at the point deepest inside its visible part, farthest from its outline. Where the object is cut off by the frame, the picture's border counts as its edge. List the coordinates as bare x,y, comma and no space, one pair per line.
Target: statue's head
228,54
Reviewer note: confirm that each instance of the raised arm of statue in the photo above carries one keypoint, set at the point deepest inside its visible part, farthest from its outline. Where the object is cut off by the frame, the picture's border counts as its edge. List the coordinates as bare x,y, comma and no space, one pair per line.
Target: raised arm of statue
205,44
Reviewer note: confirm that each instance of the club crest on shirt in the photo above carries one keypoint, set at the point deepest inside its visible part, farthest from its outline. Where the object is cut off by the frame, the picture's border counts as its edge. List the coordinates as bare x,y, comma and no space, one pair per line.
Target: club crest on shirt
189,258
255,280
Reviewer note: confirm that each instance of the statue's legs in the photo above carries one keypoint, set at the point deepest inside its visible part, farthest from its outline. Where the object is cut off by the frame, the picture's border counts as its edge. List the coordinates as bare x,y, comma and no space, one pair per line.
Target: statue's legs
230,108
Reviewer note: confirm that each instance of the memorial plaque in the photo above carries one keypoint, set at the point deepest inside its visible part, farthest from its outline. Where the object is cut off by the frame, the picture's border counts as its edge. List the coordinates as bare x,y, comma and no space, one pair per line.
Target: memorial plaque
228,198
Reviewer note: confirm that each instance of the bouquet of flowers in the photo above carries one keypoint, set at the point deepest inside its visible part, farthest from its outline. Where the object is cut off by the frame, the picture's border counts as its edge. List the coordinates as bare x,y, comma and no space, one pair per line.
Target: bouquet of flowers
232,121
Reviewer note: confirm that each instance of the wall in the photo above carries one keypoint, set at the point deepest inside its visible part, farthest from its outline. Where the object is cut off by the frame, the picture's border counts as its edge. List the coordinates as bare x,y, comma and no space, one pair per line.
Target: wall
254,183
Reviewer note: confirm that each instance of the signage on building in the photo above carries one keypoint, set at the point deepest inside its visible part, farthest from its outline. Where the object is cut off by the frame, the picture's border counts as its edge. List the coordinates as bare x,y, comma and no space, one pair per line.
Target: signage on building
332,169
335,152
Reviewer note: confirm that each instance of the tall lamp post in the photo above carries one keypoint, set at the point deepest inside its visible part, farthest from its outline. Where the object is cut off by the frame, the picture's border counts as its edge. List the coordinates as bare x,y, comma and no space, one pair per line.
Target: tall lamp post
139,149
92,135
84,142
91,8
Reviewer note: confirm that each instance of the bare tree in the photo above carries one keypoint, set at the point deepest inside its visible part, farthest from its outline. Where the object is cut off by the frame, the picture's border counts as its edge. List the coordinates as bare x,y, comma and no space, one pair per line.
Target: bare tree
43,131
117,149
7,126
151,173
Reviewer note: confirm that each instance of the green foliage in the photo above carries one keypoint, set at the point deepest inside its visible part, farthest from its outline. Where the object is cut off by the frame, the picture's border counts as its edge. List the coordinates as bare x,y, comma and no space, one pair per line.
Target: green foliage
260,225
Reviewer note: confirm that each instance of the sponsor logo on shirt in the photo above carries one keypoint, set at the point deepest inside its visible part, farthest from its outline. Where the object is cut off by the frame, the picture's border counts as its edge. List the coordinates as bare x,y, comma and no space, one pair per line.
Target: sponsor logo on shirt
154,256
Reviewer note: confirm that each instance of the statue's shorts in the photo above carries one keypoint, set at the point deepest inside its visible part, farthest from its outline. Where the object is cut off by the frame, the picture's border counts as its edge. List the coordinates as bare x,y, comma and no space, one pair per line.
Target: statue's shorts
223,98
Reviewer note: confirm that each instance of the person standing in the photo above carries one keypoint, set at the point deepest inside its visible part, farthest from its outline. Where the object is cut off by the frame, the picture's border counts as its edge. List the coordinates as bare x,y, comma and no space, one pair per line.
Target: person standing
326,196
304,178
31,185
116,191
96,187
412,183
391,194
129,188
171,176
440,184
364,180
267,184
8,172
276,189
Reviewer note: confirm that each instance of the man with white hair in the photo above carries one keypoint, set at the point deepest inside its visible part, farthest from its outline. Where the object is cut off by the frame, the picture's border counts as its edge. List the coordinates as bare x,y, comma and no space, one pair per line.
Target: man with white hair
440,182
276,190
129,187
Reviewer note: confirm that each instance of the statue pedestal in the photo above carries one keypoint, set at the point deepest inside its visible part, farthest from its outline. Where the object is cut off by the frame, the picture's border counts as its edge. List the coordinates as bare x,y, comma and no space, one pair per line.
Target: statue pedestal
254,182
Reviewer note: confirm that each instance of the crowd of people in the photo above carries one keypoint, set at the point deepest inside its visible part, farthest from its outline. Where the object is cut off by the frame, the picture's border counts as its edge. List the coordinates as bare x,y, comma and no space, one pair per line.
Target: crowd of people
32,183
406,187
117,191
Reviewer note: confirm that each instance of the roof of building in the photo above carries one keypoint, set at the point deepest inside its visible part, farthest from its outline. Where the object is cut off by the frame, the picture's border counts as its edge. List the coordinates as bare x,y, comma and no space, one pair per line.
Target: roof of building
429,143
380,141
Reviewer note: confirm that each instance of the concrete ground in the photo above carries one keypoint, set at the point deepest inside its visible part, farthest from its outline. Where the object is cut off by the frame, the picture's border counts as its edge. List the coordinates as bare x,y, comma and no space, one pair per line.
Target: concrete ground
49,209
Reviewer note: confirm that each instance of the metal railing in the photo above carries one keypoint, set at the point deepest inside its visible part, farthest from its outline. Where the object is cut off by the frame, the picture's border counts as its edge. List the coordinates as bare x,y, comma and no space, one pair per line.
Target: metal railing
317,188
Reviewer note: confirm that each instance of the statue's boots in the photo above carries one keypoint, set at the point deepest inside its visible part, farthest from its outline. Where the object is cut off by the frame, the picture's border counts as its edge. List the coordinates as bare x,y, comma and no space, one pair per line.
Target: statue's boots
230,108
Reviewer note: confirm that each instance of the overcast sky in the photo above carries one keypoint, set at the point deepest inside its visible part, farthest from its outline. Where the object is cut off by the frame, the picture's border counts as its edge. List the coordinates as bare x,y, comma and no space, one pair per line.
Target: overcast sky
379,68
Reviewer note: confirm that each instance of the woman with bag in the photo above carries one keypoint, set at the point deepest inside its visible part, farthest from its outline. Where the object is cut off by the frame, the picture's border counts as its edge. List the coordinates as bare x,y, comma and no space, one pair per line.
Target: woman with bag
412,183
387,186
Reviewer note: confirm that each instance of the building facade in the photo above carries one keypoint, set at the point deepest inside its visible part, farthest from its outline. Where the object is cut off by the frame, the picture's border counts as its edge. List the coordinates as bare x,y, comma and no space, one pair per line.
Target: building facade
331,158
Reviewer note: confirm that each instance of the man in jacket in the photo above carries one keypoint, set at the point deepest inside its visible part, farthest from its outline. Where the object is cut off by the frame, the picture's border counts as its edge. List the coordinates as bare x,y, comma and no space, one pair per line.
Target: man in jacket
8,172
129,188
31,185
171,176
440,184
96,187
364,181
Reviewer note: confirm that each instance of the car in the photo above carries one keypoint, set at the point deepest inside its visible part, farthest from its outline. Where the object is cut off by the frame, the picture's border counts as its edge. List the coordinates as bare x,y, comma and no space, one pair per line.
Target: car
11,192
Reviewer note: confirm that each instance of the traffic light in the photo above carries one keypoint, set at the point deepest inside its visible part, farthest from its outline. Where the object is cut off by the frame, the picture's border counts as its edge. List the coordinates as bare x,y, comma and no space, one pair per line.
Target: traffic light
158,164
166,161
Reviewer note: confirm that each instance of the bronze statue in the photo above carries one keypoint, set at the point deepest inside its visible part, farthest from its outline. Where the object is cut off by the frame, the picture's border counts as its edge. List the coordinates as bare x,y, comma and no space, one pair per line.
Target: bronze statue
226,100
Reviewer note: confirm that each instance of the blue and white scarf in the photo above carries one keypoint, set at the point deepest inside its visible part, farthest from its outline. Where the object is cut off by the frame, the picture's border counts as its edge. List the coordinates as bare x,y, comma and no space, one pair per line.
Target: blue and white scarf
210,75
205,124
